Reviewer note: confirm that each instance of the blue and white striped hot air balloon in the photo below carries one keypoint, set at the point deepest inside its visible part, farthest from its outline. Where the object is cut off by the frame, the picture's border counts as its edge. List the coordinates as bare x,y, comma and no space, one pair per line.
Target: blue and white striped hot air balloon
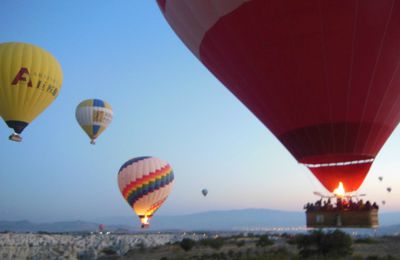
94,116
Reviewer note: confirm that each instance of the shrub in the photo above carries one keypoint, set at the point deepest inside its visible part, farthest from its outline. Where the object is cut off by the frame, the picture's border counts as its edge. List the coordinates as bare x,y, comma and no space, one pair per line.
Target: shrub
335,244
108,251
307,245
187,244
142,247
217,256
281,250
292,240
215,243
43,232
240,243
366,240
264,241
248,251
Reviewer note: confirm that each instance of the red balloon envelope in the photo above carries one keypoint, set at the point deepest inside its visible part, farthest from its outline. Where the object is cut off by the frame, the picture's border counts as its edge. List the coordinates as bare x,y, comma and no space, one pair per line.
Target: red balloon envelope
322,75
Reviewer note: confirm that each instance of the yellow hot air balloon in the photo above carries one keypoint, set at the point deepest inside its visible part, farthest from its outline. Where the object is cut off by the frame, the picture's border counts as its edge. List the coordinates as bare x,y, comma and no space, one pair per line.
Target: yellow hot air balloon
30,80
94,115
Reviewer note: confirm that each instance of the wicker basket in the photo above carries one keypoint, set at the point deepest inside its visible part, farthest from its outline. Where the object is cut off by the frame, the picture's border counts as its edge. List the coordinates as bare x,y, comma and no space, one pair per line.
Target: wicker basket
343,218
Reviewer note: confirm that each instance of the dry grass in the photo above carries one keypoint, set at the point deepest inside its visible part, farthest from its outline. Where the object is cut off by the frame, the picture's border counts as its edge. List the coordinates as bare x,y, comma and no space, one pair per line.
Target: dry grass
375,248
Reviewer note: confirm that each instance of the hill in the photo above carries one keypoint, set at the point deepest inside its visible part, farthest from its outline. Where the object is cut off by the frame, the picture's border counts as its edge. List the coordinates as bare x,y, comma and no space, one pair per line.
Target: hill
229,220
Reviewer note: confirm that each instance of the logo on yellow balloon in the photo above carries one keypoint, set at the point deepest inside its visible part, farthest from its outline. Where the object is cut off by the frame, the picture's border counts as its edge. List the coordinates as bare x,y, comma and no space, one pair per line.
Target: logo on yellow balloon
21,76
44,83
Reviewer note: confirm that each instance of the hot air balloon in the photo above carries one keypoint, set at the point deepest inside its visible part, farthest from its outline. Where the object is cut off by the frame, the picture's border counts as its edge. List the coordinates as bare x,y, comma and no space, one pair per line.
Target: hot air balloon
383,202
101,227
30,80
145,183
323,76
204,192
380,178
94,116
389,189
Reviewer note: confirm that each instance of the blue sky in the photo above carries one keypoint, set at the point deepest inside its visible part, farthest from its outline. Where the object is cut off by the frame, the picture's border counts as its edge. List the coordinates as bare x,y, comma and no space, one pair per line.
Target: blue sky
166,104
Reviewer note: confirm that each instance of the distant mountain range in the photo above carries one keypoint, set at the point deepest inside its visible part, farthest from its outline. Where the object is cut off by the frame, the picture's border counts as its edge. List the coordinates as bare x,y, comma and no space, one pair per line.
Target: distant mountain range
219,220
229,220
66,226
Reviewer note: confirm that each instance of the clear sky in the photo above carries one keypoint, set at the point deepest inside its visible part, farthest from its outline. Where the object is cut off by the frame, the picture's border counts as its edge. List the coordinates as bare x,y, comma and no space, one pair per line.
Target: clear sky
166,104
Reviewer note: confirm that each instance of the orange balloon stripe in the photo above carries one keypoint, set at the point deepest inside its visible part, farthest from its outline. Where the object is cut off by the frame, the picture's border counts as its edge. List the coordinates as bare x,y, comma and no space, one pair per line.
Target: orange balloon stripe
155,207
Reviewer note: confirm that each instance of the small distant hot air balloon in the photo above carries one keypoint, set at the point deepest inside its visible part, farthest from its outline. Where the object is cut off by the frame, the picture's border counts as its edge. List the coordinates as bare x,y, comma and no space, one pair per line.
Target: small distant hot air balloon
30,80
145,183
102,227
383,202
380,178
389,189
204,192
94,116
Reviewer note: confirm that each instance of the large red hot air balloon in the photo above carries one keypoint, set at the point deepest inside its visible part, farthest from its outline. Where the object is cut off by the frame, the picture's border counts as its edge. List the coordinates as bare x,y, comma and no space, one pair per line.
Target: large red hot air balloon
323,76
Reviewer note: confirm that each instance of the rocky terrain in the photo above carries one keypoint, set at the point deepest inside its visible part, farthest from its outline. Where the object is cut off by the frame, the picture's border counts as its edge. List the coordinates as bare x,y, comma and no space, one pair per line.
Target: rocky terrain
169,246
78,246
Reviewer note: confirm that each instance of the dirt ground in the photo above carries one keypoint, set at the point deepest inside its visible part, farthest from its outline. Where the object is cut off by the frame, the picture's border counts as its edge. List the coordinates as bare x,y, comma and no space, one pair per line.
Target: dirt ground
381,247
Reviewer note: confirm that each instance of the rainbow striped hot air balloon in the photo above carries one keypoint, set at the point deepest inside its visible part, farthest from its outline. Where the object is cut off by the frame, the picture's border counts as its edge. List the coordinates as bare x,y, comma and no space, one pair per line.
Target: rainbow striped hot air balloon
94,116
145,183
